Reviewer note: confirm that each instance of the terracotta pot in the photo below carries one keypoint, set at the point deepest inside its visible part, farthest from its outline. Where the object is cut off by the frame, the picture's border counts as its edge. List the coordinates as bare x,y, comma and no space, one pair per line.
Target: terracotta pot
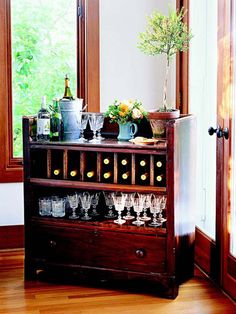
164,115
158,121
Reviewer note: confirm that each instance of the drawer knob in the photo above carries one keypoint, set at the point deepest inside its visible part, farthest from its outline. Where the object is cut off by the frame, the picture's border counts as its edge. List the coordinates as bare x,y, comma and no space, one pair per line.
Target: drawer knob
140,253
52,244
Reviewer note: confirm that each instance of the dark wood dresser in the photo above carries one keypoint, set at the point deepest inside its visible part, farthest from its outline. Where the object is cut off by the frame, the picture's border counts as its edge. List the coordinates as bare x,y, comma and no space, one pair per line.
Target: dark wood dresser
99,248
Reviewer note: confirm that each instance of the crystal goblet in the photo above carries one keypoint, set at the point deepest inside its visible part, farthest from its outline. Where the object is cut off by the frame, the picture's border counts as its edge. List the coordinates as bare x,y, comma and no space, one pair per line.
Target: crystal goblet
138,203
160,218
110,204
155,209
84,120
146,205
73,201
128,205
85,199
119,202
94,203
94,126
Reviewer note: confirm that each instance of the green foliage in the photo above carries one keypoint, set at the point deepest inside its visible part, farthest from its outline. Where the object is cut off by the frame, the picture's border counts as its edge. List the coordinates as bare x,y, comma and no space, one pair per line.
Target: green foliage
43,51
126,110
165,34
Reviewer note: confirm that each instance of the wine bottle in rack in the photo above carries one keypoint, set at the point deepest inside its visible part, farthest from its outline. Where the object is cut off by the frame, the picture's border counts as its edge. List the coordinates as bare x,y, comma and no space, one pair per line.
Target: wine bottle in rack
73,173
43,122
126,175
90,174
106,161
124,161
144,177
143,162
160,178
107,175
159,164
56,172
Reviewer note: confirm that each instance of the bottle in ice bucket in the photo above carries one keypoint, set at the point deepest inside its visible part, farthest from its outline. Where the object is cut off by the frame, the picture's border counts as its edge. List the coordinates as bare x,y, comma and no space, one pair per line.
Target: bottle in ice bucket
71,114
43,122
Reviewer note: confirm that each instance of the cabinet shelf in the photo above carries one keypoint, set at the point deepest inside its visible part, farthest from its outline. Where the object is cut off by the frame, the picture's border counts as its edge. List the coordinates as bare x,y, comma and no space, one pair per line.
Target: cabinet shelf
96,186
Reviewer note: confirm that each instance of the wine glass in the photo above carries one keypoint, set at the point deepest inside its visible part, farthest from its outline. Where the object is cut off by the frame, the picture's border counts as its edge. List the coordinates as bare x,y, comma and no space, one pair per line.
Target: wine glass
109,203
146,205
138,203
94,203
160,218
85,199
84,120
100,125
119,202
155,209
73,201
128,205
94,125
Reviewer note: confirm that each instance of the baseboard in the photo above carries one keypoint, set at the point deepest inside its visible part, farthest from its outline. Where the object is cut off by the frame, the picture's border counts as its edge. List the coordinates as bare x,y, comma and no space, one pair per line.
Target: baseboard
11,237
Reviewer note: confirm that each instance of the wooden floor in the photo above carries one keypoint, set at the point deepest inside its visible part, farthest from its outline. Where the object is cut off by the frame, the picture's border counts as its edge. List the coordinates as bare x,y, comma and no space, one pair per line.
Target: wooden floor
198,295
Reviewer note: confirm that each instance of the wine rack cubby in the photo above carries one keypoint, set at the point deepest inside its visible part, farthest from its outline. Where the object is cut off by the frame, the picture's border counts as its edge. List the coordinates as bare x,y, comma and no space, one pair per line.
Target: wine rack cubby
100,247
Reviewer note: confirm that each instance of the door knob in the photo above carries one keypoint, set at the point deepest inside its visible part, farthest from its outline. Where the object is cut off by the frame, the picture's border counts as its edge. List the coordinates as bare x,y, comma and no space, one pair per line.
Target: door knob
219,132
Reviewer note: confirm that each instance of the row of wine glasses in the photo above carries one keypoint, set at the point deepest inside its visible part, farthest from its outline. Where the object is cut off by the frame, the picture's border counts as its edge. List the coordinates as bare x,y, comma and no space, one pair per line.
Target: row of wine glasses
84,206
140,204
96,121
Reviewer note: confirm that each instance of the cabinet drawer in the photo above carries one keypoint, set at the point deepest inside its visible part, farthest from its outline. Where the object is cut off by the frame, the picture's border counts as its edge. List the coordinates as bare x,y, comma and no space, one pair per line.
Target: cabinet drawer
97,248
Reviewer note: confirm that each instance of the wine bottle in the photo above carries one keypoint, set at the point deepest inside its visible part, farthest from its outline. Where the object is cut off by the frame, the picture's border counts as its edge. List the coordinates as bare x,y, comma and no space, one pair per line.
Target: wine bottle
43,122
125,175
56,172
90,174
107,175
124,161
106,161
144,176
143,163
55,127
73,173
159,164
159,178
67,93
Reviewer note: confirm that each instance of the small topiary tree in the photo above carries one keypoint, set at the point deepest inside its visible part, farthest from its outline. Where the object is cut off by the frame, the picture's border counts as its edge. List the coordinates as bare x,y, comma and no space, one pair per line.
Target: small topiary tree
165,35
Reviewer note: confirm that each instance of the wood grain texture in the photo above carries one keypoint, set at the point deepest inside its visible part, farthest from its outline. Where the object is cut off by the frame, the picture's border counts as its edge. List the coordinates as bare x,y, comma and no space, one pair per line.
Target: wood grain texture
196,296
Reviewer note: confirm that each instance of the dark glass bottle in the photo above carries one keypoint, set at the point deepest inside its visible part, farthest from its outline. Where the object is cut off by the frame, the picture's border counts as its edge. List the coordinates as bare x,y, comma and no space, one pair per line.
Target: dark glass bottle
55,131
43,122
67,93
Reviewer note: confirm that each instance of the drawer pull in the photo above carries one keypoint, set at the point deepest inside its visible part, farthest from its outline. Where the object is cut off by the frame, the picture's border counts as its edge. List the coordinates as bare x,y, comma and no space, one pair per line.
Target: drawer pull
140,253
52,244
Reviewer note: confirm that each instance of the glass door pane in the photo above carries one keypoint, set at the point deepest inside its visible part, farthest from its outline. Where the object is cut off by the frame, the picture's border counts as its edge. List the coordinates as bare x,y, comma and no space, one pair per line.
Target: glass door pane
44,41
203,103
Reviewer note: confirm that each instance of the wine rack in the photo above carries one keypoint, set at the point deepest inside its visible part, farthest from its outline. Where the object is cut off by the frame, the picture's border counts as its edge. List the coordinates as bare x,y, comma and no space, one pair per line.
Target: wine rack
99,248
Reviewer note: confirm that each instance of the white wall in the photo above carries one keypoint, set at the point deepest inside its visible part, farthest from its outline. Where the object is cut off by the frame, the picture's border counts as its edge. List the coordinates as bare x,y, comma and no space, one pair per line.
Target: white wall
11,204
125,72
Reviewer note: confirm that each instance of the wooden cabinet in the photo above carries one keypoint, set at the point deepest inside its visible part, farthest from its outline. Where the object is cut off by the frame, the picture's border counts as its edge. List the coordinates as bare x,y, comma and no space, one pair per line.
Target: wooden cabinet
99,248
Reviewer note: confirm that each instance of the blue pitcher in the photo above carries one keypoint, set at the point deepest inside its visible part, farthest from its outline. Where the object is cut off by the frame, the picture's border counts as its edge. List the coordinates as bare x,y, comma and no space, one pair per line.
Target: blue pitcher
127,131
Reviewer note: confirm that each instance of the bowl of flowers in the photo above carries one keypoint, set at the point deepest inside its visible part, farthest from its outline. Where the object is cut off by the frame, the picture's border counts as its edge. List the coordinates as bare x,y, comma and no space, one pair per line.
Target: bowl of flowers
126,113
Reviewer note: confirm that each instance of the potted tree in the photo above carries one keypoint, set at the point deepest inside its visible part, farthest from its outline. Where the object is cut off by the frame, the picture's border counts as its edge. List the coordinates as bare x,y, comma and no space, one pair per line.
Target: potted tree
164,34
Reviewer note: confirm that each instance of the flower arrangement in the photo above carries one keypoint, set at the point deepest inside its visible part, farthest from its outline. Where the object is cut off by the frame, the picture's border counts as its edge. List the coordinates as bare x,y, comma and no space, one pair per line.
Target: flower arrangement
125,111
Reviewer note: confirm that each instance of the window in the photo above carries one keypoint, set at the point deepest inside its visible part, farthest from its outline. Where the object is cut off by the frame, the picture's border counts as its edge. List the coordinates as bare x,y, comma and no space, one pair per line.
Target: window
31,41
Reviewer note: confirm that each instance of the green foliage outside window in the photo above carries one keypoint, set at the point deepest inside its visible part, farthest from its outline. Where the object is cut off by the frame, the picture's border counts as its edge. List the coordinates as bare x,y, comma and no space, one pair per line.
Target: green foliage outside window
43,51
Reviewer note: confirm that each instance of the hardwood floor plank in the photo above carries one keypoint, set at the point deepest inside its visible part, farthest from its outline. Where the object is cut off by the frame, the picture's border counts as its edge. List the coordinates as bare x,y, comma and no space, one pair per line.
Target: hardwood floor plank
196,296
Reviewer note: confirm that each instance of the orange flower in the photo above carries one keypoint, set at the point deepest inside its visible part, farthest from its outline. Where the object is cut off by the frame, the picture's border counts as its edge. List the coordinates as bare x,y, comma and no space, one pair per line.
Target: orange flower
121,113
123,107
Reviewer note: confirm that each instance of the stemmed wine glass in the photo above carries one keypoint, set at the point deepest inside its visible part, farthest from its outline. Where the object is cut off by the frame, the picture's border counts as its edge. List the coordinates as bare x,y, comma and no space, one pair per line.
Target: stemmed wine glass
128,205
84,120
155,209
138,203
109,203
119,202
146,205
94,126
160,218
100,125
94,203
73,201
85,199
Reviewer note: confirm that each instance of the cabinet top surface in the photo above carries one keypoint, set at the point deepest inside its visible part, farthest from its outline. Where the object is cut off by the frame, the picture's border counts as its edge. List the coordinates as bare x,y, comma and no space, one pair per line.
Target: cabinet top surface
107,143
